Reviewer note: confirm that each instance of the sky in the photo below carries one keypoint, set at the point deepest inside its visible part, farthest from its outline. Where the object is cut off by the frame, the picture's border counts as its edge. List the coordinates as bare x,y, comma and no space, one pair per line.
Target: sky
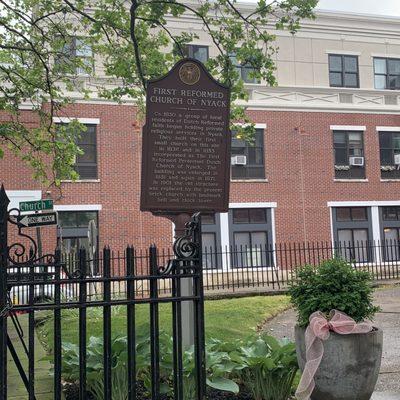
380,7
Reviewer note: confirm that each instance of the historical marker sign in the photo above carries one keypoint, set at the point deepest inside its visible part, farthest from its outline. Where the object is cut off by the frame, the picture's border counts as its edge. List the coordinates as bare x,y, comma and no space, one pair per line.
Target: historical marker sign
32,220
186,142
38,205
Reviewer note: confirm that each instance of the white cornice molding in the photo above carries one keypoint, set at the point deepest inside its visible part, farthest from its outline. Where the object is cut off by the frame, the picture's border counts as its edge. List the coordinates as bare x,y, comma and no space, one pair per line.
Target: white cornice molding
363,203
348,128
67,120
78,207
254,205
344,52
388,128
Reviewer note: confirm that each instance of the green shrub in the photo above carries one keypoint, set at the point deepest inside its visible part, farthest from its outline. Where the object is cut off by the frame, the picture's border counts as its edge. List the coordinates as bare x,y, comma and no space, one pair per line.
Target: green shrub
334,284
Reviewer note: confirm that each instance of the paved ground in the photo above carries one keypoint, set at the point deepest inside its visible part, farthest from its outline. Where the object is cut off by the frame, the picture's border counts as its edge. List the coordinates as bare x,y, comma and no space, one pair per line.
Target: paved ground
44,382
388,386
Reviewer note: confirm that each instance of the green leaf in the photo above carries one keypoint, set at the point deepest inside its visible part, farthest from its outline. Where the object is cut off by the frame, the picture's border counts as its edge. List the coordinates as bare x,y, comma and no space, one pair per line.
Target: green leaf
224,384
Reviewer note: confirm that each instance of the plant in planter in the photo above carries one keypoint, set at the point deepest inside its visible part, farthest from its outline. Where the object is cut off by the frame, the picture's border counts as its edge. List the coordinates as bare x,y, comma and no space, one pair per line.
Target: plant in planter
349,367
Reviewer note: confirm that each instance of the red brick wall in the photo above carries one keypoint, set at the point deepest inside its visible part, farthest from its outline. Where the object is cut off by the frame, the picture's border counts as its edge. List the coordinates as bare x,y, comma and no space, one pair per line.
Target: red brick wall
299,171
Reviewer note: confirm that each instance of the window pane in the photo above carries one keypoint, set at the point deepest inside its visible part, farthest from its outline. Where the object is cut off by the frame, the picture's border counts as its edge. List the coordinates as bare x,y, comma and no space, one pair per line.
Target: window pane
380,81
255,172
339,138
396,141
240,216
391,234
355,139
82,49
257,215
67,219
341,157
386,157
345,236
355,152
208,242
335,79
394,81
390,213
343,214
335,63
385,139
345,244
380,65
393,67
350,64
209,249
88,136
360,245
83,218
258,239
88,156
208,219
200,53
255,156
259,138
391,238
248,75
258,245
242,239
350,80
359,214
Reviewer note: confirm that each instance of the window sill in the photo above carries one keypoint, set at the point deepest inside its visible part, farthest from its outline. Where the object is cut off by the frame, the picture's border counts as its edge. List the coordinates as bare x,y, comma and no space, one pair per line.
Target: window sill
350,180
81,181
249,180
390,180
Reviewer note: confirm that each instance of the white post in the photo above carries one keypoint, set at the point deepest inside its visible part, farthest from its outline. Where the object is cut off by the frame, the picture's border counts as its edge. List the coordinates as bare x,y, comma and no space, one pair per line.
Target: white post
376,232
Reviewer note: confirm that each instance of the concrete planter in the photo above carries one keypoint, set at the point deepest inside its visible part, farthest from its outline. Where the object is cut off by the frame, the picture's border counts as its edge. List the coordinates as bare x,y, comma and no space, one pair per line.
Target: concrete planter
349,368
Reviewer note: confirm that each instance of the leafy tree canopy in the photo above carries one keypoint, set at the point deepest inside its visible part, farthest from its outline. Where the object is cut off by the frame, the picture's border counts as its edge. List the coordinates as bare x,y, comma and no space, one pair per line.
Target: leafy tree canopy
43,43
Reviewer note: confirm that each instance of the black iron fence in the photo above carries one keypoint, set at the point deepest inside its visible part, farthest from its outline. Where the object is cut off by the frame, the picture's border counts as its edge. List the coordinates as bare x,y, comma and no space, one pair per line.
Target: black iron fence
225,270
46,287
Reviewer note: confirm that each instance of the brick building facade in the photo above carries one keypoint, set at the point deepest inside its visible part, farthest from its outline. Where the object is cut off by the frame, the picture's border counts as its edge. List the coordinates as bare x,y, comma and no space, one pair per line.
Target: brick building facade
323,167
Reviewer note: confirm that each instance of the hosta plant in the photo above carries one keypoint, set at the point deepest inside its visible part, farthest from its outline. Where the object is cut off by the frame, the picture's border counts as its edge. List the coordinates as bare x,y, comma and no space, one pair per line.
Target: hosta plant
268,367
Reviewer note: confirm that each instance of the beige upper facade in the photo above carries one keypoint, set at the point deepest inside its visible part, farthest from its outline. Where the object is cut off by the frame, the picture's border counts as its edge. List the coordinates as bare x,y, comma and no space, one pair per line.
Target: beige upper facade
302,62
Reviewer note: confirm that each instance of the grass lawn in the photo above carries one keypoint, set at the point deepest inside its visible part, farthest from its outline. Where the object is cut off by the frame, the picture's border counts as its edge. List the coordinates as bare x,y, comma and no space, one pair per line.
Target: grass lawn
225,319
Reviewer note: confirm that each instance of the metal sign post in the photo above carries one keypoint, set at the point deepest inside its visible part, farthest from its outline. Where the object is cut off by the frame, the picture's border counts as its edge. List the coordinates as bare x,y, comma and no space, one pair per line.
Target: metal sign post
186,154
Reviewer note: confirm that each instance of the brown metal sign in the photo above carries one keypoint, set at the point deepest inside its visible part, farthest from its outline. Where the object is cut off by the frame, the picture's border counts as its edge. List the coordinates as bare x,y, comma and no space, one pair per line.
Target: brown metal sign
186,142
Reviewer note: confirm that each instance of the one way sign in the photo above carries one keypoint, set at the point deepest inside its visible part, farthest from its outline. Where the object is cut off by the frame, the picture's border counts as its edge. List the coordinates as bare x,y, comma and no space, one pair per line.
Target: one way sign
32,220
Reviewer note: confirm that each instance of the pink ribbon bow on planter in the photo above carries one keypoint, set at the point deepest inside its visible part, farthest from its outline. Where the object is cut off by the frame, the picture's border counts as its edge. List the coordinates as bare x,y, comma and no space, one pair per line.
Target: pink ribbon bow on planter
318,331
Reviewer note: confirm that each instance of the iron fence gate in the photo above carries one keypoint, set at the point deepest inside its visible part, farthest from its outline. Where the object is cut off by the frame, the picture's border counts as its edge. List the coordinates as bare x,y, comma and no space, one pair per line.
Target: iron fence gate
21,267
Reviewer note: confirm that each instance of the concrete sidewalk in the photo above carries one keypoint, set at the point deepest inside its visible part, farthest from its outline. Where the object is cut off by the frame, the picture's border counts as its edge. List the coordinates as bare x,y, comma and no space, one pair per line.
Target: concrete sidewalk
388,385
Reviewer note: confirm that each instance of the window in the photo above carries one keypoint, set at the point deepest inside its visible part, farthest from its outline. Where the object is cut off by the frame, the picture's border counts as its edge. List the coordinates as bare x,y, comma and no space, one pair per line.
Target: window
245,70
347,145
353,244
253,168
390,223
86,163
389,145
77,48
197,52
351,228
387,73
211,239
391,213
343,71
250,229
249,216
74,228
351,214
